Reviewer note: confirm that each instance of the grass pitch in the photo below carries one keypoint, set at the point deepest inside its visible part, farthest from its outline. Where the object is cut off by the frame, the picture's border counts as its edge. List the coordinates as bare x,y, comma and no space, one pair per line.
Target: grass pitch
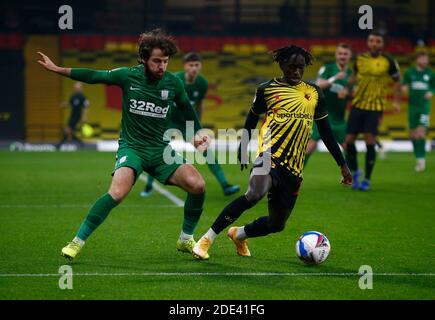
45,196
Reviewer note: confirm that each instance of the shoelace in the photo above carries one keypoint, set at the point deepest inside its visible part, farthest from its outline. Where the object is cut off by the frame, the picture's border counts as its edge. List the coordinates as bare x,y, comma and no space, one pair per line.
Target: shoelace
74,245
205,243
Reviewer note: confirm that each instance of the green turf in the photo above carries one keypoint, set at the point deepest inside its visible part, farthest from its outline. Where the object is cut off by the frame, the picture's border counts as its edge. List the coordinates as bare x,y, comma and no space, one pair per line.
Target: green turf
45,196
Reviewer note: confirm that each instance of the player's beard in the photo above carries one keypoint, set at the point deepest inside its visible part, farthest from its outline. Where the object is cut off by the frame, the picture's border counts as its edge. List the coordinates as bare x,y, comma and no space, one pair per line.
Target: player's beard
152,75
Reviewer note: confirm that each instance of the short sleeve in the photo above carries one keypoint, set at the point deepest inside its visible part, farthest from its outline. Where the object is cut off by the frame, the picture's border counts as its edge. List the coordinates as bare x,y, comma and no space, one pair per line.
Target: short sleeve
406,77
321,110
323,73
259,104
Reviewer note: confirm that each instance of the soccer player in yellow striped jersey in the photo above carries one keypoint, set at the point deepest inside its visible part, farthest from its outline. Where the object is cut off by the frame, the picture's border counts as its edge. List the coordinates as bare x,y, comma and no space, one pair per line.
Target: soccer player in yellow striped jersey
373,71
291,105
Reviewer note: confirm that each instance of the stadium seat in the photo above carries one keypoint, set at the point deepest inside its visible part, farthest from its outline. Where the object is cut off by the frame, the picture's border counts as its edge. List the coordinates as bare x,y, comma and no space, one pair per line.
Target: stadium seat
229,48
259,48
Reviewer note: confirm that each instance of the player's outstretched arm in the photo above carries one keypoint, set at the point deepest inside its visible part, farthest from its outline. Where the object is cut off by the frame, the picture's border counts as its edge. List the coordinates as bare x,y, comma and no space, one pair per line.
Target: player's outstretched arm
49,65
331,144
115,77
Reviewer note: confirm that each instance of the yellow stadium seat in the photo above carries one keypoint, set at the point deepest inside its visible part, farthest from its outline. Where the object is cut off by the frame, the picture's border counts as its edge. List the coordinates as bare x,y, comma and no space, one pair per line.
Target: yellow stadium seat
317,49
229,48
128,46
245,50
260,48
112,46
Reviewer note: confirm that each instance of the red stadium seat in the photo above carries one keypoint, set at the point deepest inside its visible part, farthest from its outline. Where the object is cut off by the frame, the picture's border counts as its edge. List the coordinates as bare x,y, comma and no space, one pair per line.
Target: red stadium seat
67,42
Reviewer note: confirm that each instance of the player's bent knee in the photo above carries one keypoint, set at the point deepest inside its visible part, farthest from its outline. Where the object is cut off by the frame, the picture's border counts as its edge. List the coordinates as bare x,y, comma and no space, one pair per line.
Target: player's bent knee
118,194
196,185
253,196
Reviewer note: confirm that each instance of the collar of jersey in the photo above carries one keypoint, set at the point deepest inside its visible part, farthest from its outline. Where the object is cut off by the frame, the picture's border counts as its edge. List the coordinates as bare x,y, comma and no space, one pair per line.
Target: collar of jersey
287,84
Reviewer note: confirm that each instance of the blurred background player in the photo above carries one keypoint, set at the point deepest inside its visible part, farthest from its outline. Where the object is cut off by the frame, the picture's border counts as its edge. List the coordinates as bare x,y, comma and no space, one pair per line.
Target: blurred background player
419,81
332,79
78,115
372,72
277,171
196,86
142,146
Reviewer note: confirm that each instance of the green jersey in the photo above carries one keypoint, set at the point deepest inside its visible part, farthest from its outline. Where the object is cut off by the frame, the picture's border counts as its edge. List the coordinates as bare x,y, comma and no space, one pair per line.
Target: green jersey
420,82
196,92
146,103
336,106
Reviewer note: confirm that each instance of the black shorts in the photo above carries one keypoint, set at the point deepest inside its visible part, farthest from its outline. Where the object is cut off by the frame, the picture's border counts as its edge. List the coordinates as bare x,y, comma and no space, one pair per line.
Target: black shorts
285,186
363,121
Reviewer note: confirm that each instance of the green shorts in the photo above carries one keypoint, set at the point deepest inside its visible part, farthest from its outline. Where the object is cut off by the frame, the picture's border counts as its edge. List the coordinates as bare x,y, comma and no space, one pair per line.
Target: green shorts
418,116
338,129
160,163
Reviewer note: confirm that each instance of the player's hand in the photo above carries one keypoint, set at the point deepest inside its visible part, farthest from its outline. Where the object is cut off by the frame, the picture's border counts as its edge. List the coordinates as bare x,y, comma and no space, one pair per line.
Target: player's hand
47,63
342,93
239,157
428,95
347,176
201,142
396,107
340,75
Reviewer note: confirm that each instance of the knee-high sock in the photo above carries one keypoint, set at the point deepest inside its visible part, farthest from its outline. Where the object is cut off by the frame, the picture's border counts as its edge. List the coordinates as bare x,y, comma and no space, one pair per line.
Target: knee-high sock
215,168
419,148
231,213
96,215
149,183
370,160
258,228
351,157
192,211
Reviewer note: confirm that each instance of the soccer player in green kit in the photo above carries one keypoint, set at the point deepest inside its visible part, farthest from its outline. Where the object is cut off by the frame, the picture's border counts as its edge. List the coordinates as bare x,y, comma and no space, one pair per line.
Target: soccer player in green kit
332,80
149,92
196,87
419,80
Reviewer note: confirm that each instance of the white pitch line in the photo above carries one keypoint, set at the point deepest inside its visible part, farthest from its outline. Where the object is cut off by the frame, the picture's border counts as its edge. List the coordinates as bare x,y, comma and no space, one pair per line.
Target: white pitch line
82,205
172,197
190,274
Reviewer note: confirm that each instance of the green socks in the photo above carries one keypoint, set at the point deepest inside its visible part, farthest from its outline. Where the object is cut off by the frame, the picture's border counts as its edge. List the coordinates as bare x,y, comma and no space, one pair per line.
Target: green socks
96,215
192,211
419,148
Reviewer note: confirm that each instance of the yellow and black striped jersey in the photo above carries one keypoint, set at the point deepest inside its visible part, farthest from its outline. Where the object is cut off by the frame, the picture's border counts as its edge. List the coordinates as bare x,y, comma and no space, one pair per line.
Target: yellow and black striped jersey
373,74
290,111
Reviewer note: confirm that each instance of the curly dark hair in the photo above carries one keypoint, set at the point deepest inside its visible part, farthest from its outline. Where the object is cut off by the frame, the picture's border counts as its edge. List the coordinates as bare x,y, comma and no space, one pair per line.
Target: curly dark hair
156,38
284,53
